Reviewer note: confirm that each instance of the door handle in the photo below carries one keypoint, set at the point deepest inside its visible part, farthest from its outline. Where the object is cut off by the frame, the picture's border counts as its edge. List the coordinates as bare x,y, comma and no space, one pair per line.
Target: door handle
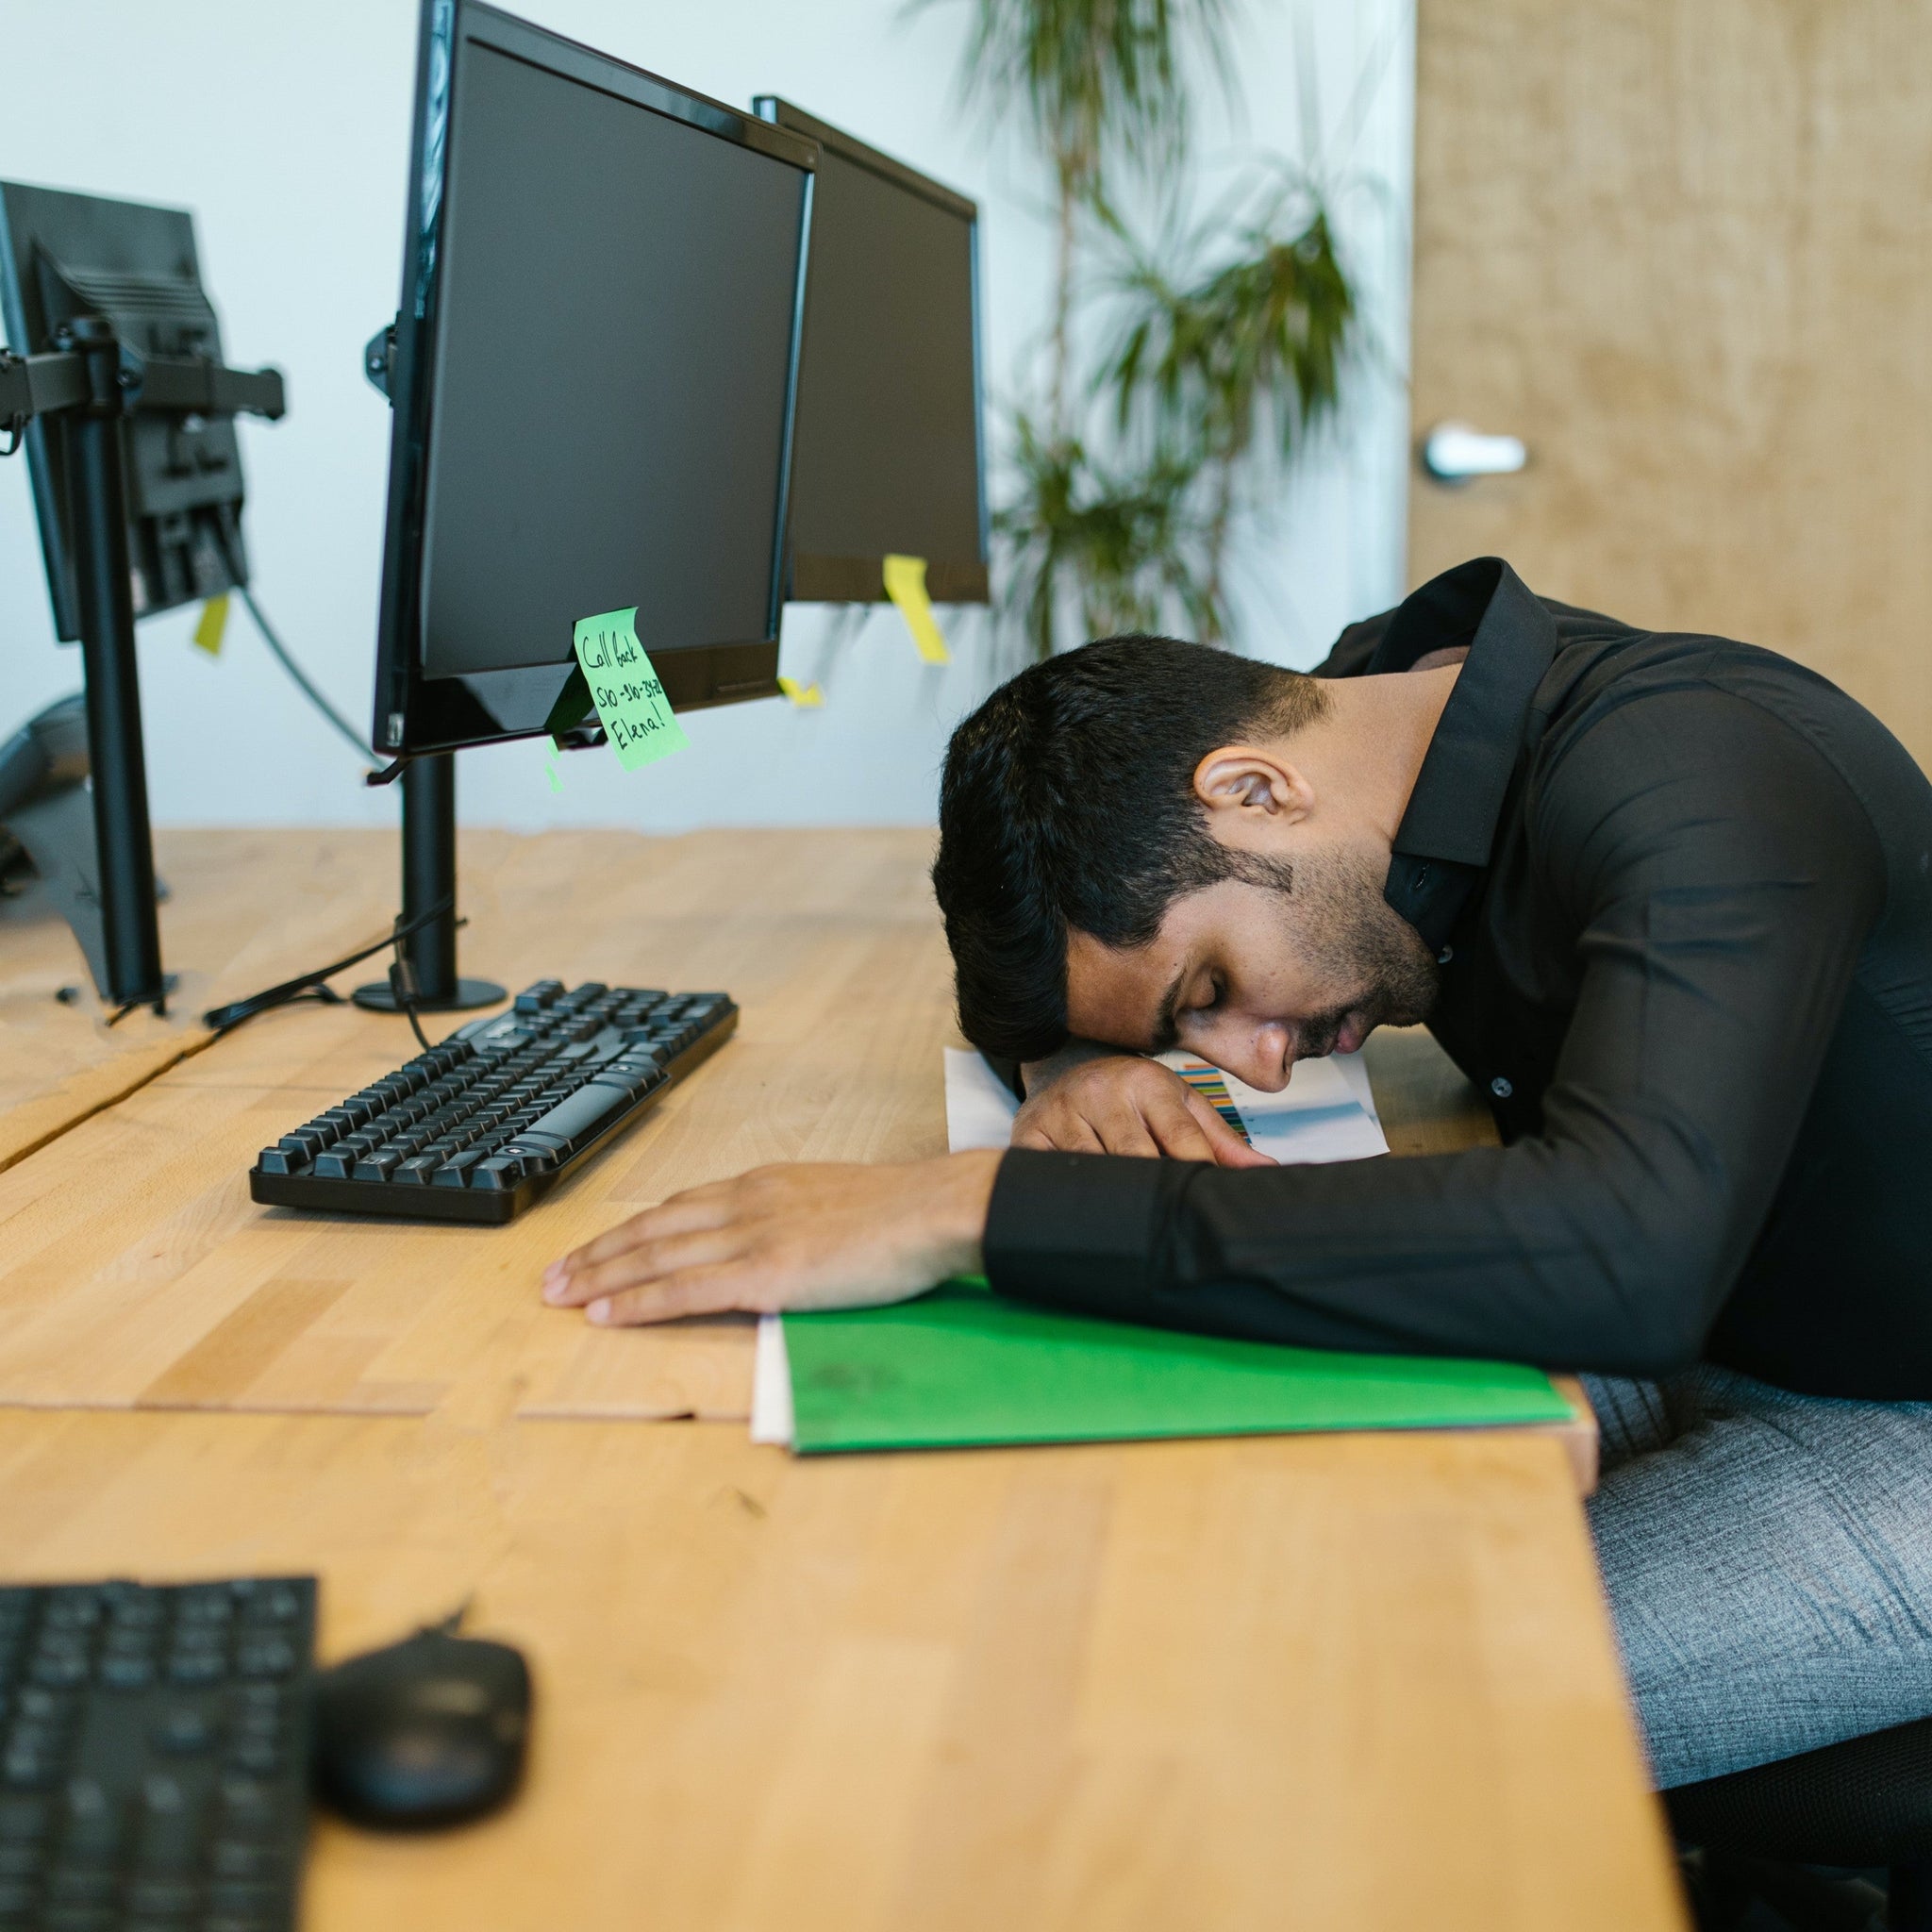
1453,452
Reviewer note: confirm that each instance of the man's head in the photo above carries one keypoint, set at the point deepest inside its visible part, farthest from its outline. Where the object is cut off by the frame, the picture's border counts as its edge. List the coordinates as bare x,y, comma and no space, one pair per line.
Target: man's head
1138,845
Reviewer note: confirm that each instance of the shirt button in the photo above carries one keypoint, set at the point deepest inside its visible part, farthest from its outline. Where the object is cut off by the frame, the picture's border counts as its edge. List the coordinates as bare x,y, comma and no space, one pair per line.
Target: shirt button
1501,1088
1447,953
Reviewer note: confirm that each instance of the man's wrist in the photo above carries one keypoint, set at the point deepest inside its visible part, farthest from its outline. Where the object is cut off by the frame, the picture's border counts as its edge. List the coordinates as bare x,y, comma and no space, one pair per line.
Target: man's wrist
958,1205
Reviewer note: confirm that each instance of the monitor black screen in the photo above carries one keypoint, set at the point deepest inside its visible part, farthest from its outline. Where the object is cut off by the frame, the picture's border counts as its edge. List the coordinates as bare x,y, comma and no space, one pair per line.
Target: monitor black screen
64,256
594,395
888,453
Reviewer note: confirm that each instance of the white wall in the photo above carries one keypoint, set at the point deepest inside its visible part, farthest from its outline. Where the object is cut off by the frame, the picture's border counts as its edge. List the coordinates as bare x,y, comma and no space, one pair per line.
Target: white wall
286,129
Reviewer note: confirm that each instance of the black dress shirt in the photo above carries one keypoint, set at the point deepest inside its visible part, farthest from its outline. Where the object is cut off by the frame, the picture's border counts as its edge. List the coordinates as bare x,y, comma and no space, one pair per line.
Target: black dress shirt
1682,893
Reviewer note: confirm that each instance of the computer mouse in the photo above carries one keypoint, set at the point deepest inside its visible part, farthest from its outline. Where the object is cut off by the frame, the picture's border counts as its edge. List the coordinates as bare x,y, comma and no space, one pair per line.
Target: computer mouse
428,1732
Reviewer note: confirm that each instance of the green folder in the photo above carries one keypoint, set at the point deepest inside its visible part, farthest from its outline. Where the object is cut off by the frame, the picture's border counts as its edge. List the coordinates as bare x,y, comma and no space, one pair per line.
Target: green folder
962,1367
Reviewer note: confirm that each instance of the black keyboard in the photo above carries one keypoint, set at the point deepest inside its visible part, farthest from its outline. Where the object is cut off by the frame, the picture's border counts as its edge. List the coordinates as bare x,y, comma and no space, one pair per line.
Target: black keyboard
154,1754
479,1127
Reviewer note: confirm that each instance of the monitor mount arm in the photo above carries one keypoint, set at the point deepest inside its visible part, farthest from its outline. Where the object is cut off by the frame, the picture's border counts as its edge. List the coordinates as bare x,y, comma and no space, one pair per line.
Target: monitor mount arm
89,383
429,838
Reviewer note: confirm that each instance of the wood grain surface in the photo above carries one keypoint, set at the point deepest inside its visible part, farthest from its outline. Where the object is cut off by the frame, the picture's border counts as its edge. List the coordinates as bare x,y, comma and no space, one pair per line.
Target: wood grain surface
1684,252
60,1061
135,1271
1321,1682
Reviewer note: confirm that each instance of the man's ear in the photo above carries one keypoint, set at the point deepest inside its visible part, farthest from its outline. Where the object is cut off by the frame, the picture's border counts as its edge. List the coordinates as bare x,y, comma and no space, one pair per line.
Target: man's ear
1253,788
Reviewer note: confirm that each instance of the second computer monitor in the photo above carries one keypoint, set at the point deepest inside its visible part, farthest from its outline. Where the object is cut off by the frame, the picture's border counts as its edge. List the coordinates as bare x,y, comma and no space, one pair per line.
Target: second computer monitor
63,257
888,453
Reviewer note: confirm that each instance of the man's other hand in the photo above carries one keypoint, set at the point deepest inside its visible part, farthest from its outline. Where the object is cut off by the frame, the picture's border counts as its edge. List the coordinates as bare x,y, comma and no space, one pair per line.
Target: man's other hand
797,1237
1127,1105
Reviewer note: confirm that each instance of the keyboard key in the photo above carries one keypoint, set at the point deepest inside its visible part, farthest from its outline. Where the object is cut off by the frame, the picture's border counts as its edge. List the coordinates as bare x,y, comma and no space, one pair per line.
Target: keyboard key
23,1819
500,1170
184,1731
266,1657
26,1771
164,1897
583,1116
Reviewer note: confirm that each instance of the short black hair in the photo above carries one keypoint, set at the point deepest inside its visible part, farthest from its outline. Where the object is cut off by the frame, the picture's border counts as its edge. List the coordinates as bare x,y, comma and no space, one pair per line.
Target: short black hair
1067,803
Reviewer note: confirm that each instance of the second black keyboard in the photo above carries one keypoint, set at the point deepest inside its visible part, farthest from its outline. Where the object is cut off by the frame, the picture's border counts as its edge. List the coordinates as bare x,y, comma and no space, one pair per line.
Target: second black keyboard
154,1754
480,1126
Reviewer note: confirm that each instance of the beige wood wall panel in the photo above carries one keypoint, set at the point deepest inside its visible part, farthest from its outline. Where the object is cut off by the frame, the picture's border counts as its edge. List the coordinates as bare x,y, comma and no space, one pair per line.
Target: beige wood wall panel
246,909
135,1271
1326,1683
1684,251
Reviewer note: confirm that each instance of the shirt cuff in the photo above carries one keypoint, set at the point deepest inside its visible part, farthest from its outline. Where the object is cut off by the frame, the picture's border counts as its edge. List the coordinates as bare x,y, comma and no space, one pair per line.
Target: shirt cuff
1076,1229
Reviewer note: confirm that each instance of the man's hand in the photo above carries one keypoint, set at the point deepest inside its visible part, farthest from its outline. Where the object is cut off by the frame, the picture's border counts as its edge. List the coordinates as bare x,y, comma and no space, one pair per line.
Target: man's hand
1127,1105
797,1237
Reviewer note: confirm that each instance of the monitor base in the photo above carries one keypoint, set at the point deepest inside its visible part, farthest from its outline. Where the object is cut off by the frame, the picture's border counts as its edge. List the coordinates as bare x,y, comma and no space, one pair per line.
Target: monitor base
378,998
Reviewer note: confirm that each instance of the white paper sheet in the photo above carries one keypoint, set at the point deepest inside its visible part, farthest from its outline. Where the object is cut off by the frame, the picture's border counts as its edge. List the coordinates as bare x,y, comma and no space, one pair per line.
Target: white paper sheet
771,1385
1325,1112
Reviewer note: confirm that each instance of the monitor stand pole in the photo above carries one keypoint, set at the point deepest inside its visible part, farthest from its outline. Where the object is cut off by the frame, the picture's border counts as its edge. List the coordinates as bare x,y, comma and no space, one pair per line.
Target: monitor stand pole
129,953
90,382
430,879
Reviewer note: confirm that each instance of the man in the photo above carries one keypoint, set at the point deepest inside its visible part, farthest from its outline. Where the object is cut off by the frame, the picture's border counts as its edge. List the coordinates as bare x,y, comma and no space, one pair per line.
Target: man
1667,899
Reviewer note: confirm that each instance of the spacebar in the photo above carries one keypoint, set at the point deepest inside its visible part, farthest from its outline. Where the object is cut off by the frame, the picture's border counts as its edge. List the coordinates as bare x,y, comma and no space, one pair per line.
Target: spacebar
581,1118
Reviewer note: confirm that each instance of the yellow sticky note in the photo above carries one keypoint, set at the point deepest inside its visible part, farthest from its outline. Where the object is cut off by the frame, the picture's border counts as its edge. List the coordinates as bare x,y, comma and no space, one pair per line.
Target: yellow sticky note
213,624
808,697
906,587
631,705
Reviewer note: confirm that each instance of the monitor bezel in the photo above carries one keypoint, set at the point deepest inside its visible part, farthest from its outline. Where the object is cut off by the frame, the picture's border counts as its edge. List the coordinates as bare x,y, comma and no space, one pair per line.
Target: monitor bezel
416,714
823,580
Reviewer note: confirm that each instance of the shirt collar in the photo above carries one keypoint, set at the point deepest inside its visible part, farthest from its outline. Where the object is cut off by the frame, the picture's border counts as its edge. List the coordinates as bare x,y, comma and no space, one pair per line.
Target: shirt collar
1450,824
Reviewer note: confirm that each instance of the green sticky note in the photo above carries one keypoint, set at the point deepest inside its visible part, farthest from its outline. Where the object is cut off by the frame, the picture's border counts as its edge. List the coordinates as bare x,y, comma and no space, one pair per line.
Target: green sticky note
631,705
963,1367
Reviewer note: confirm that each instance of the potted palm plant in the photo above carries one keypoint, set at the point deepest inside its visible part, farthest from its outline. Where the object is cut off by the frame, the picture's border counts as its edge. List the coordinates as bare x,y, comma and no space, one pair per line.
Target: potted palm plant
1181,374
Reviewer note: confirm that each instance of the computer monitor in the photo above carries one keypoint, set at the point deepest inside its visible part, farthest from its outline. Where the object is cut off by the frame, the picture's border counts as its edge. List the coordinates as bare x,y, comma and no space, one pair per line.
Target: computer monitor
63,257
592,379
594,371
889,456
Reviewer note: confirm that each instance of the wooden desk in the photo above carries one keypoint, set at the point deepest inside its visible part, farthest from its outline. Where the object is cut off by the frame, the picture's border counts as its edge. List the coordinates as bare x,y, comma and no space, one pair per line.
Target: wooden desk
191,1296
60,1061
1319,1681
1341,1682
188,1294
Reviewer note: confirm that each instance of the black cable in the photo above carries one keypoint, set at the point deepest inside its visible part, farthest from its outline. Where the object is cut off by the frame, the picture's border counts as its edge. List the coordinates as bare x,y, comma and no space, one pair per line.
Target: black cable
403,986
295,671
222,1019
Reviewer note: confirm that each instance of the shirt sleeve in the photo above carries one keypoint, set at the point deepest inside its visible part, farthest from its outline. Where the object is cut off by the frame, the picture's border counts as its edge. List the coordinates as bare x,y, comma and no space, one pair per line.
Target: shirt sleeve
1719,878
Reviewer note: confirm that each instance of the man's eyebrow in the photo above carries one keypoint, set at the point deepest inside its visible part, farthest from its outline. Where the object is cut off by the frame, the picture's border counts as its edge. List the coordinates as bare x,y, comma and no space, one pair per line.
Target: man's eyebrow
1166,1035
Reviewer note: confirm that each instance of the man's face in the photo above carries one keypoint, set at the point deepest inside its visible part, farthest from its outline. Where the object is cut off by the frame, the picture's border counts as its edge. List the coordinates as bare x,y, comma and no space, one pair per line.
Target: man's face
1252,979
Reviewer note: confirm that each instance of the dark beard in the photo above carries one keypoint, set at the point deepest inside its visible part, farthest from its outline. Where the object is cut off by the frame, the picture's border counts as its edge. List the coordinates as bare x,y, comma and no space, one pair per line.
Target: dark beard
1358,939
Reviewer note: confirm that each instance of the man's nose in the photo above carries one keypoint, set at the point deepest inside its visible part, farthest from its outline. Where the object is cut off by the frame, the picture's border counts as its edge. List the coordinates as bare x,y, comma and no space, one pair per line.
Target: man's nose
1257,1055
